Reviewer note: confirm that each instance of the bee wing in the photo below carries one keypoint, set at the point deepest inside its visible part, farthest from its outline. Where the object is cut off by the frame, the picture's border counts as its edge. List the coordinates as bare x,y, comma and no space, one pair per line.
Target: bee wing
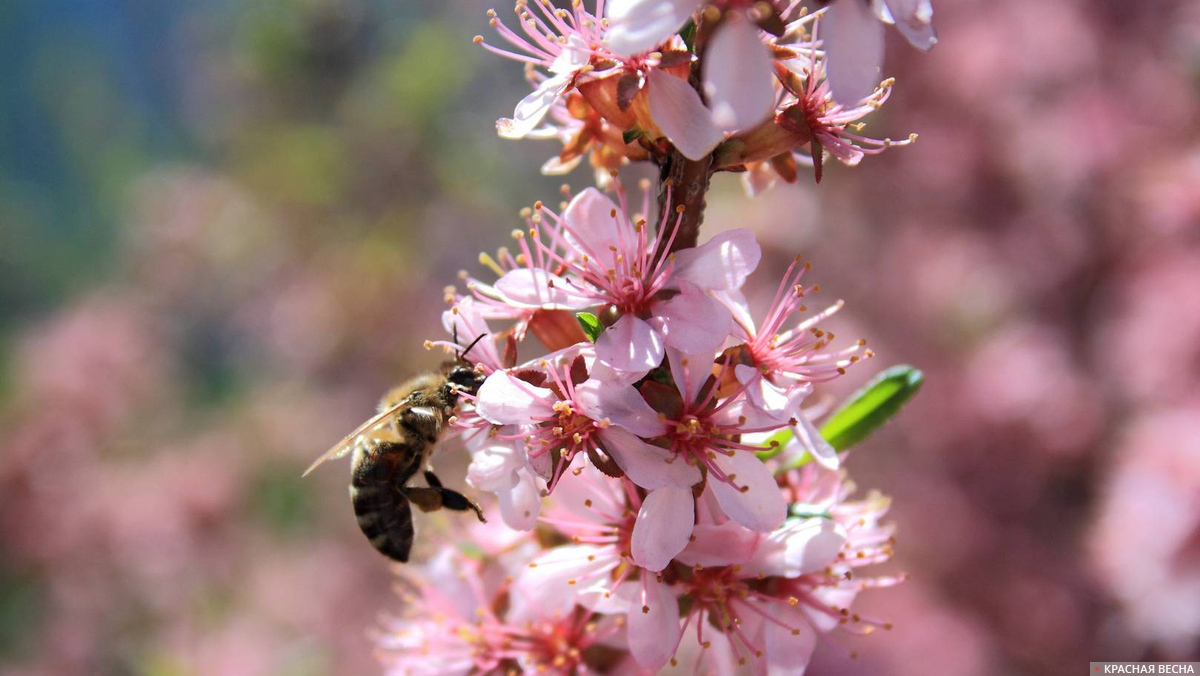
343,447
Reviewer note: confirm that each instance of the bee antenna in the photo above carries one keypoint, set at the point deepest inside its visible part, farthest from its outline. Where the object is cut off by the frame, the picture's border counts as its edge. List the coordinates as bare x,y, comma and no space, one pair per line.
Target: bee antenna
475,342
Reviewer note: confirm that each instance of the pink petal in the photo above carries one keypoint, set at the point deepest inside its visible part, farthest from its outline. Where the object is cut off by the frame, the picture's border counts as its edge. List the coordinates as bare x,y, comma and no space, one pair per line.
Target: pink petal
664,524
854,47
738,80
693,322
537,288
914,20
533,108
800,547
654,629
735,302
620,404
690,372
505,400
832,597
761,507
520,506
631,345
679,112
544,587
588,497
494,467
647,466
846,153
596,227
637,26
727,544
814,443
760,391
786,653
721,264
467,320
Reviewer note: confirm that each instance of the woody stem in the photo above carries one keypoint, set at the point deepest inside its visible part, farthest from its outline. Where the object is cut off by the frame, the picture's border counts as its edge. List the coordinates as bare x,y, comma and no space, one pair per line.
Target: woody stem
683,182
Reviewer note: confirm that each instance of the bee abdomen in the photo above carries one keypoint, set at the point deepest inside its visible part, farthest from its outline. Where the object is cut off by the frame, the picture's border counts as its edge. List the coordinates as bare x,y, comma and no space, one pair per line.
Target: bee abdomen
385,517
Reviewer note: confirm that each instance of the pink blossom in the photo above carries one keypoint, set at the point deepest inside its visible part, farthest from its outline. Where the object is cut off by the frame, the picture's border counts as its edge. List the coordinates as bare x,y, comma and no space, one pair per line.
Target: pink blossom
827,119
559,41
453,626
563,418
661,301
737,80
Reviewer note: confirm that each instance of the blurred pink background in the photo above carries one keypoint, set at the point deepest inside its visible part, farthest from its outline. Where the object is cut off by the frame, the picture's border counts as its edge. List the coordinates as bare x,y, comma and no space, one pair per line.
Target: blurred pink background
224,231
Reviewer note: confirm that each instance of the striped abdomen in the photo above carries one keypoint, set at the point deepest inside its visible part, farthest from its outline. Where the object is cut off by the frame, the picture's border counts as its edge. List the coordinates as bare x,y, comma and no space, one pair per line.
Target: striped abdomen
383,513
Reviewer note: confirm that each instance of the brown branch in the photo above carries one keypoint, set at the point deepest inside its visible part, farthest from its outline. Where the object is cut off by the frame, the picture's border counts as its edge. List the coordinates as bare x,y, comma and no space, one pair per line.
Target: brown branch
682,183
682,186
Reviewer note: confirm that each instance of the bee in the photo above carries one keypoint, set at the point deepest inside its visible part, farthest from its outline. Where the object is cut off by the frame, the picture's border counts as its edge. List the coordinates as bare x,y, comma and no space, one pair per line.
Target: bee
390,448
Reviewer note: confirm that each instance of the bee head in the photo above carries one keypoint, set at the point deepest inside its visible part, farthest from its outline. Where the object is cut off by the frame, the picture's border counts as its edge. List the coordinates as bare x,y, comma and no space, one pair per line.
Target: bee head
465,378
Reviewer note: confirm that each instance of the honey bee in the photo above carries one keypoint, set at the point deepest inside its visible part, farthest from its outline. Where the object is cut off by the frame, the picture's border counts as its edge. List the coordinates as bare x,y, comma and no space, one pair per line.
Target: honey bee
390,448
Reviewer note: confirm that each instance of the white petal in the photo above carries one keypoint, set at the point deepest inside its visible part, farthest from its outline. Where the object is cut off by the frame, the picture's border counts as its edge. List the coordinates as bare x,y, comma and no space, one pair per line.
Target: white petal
664,524
854,46
735,302
722,263
505,400
776,403
761,506
556,167
808,436
637,26
799,548
532,108
575,55
646,465
738,80
631,345
679,112
654,629
494,467
914,20
520,506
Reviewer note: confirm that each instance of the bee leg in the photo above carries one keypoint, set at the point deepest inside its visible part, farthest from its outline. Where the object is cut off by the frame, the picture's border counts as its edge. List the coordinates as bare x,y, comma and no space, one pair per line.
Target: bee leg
453,499
426,499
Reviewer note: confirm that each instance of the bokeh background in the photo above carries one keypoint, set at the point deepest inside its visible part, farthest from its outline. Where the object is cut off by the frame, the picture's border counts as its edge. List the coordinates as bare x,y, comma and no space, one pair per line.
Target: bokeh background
225,227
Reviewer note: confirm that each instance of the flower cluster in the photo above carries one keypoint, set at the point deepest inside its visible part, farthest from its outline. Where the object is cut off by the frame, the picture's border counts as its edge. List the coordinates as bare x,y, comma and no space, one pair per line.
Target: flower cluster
733,598
747,84
645,432
666,426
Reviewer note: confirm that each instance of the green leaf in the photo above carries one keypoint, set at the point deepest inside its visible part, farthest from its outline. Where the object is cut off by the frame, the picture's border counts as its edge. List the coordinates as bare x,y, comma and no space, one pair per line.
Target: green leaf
800,510
780,439
631,135
591,325
688,33
872,406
